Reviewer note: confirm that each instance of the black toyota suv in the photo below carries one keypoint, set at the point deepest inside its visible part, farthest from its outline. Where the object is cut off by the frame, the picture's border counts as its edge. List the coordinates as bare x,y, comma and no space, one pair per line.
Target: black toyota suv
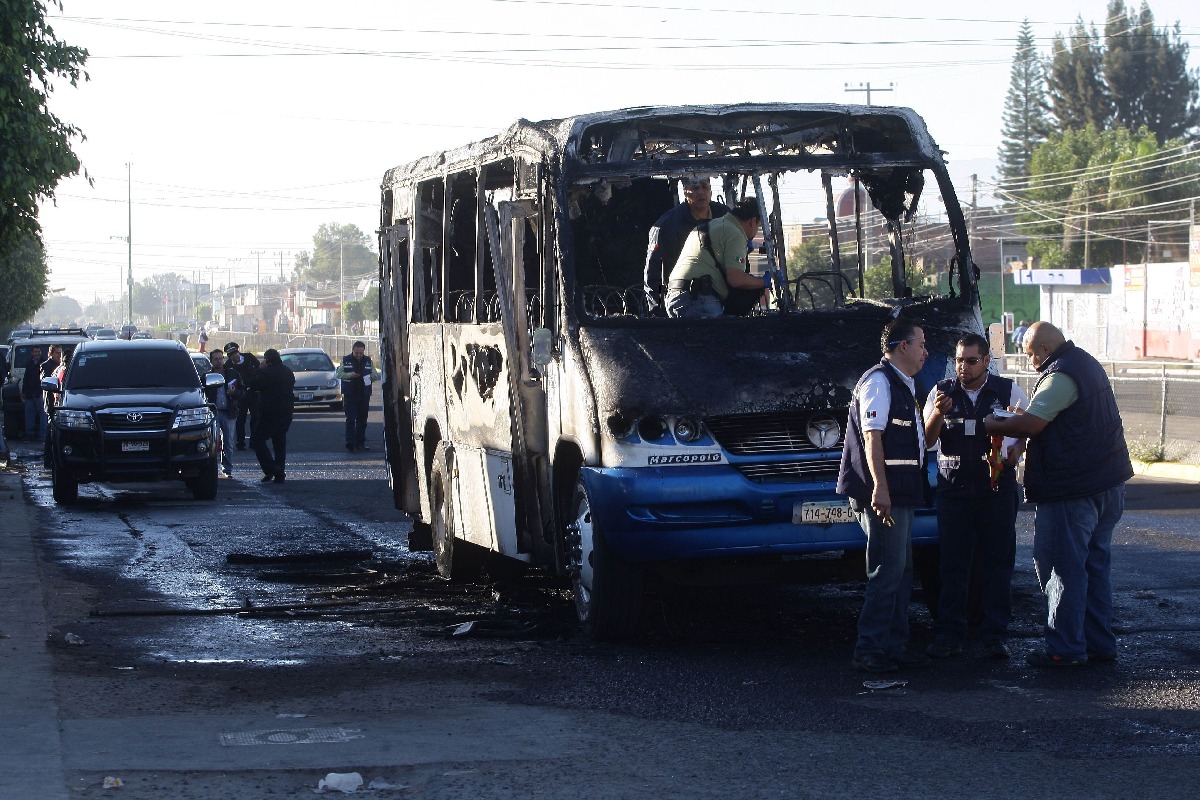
132,411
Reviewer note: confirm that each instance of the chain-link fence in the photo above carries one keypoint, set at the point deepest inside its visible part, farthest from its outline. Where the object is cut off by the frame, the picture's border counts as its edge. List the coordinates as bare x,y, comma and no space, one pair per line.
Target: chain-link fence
1159,402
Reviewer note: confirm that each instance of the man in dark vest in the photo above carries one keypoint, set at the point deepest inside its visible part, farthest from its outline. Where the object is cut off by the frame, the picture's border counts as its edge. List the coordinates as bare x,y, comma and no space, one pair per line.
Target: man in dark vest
1076,467
882,474
274,383
977,497
670,232
356,373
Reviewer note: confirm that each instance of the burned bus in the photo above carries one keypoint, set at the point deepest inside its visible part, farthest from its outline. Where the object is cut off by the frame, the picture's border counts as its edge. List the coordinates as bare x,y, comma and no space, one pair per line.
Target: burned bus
536,410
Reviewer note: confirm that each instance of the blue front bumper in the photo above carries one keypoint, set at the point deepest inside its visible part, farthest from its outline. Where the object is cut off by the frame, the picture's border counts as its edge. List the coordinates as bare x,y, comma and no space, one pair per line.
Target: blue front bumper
657,514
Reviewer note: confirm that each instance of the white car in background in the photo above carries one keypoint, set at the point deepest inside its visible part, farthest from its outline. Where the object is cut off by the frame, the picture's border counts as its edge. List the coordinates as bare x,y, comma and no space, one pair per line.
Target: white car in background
316,383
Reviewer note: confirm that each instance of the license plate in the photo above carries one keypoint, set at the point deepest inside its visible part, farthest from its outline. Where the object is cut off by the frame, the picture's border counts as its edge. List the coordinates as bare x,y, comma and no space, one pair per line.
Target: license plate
822,513
135,447
304,396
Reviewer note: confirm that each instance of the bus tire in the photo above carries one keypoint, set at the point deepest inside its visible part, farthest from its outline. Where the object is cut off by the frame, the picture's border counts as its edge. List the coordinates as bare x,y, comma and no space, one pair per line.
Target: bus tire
456,559
607,588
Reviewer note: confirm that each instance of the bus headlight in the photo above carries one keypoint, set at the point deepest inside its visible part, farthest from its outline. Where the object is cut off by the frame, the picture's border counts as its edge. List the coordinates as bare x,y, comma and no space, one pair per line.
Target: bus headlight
652,428
688,429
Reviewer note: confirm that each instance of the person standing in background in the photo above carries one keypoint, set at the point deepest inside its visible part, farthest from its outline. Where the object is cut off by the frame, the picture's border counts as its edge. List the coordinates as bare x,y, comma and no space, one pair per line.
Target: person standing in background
274,383
356,373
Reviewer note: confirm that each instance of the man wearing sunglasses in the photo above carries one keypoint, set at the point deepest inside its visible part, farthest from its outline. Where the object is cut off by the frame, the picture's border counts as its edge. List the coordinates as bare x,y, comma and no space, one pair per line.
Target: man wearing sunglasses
976,506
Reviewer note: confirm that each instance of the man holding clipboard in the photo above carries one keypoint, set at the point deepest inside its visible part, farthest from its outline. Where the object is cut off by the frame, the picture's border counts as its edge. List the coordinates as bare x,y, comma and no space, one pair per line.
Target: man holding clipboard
357,373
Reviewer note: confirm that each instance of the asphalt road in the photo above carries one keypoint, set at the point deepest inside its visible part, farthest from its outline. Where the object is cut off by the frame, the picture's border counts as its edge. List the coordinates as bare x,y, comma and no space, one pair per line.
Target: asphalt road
247,647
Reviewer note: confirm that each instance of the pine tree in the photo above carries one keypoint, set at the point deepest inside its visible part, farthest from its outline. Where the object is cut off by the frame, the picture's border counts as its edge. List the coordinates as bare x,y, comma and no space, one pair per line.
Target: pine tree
1147,76
1026,112
1078,96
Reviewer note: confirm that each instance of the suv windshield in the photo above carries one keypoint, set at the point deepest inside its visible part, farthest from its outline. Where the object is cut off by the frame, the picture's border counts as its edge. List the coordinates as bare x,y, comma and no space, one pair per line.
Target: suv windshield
131,369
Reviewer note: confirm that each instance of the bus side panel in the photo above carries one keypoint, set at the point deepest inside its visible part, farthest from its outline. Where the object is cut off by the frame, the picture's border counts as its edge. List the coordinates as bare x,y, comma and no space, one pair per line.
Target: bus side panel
428,403
477,412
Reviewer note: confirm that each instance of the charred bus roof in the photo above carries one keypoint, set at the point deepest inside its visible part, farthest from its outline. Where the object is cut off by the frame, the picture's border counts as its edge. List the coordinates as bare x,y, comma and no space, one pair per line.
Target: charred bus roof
683,138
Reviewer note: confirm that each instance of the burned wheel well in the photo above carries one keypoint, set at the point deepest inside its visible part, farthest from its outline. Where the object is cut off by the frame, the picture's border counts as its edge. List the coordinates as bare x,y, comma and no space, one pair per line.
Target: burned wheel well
567,461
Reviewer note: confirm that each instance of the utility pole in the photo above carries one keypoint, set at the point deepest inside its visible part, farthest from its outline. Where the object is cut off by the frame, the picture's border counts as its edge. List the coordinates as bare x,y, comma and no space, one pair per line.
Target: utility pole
866,87
129,231
341,288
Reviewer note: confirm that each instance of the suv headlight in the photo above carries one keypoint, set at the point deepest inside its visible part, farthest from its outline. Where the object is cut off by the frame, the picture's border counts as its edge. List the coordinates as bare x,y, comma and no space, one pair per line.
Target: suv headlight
192,417
74,420
332,384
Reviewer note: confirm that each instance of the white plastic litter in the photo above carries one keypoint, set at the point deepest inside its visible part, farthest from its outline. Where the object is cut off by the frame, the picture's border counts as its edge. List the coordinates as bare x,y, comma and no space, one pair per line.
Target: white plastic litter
73,638
344,782
112,783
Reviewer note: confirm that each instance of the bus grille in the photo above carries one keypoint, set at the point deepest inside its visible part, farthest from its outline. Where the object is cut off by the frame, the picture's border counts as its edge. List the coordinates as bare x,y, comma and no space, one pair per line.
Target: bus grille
823,469
775,434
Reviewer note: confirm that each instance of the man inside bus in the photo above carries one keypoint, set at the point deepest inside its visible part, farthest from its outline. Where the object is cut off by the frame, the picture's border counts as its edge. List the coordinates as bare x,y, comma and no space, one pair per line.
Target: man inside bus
671,231
713,262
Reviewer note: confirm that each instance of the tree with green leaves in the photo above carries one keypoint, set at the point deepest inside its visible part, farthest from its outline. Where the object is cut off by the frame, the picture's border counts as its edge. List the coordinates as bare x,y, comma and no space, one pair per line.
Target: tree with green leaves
1026,112
1092,191
352,312
370,303
59,310
337,250
35,145
1078,96
22,280
1146,74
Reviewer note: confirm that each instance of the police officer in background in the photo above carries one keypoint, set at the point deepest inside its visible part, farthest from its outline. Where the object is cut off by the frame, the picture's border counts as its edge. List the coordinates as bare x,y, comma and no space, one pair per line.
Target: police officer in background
882,473
357,374
976,508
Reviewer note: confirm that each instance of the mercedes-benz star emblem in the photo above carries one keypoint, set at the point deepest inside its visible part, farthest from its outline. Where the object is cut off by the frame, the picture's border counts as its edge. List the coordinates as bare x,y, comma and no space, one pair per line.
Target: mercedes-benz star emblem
824,432
136,416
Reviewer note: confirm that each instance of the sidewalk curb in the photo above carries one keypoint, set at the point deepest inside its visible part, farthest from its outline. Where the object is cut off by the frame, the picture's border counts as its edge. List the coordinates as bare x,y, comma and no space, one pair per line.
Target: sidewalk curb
30,743
1167,471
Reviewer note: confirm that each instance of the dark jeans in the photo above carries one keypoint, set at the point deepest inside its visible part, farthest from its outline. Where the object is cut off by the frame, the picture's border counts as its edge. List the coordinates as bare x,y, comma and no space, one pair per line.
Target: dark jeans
248,407
269,427
883,623
1072,553
356,417
980,528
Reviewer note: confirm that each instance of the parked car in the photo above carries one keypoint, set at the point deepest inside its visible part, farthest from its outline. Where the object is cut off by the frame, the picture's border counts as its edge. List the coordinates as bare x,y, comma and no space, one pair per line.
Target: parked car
320,328
142,335
107,334
17,357
127,331
203,364
132,411
316,383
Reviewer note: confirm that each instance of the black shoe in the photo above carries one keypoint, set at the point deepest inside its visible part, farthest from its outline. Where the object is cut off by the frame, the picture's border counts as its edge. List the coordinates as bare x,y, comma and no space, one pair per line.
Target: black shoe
267,478
361,447
278,477
911,659
943,649
1101,658
1041,658
996,650
873,662
350,447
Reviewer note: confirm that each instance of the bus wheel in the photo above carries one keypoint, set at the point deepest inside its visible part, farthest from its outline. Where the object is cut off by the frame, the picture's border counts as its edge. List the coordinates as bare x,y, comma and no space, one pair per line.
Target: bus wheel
607,588
456,559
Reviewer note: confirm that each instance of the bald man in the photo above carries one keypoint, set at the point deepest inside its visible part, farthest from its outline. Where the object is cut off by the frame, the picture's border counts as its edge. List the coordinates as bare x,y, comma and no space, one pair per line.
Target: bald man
1076,467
